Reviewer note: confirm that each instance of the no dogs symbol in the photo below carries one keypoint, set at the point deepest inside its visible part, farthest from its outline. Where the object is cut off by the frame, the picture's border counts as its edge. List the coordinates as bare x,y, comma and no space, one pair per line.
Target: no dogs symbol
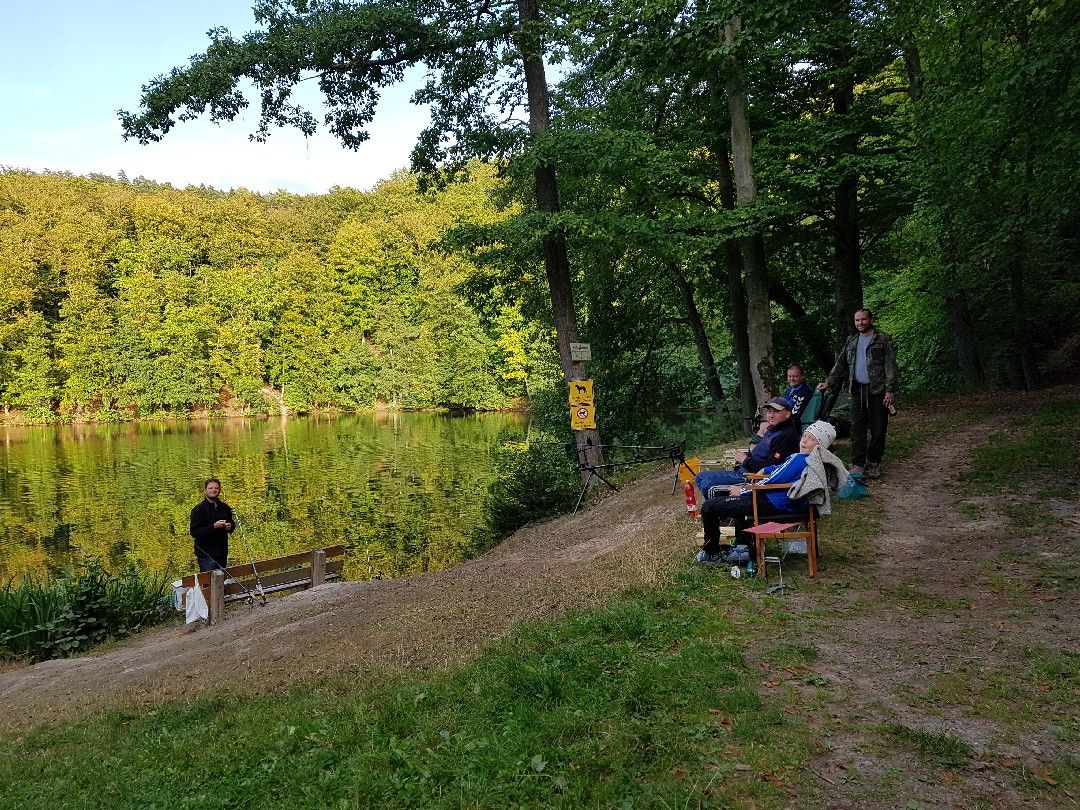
582,417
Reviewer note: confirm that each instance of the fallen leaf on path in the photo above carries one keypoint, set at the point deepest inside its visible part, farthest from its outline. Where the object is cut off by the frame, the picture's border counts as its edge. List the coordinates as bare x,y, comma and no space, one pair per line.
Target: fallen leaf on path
1008,763
775,780
1044,774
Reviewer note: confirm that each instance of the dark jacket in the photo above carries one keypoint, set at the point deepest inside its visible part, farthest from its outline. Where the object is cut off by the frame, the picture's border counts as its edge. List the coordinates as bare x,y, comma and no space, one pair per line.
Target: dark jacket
211,541
779,442
799,396
880,363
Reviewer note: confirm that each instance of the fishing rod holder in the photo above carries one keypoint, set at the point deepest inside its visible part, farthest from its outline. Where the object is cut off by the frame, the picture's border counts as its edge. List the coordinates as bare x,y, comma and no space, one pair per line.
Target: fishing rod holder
674,453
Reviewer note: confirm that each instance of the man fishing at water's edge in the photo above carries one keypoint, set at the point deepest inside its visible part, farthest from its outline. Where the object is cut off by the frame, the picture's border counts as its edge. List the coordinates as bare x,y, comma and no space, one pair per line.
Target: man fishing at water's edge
211,524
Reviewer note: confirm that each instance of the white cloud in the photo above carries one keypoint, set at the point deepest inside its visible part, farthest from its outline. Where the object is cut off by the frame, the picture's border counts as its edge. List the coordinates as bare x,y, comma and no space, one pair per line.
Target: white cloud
199,153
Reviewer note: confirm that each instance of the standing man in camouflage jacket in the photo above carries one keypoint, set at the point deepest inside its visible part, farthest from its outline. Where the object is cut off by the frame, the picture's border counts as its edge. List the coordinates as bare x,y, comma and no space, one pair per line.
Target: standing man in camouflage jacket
868,364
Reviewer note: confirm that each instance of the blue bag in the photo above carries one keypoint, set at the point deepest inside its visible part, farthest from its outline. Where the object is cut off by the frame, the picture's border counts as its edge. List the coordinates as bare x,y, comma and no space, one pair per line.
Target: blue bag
854,487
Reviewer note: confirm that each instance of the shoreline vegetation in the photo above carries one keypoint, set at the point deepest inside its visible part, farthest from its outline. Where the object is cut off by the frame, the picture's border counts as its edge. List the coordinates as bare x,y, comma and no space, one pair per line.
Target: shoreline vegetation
21,418
80,610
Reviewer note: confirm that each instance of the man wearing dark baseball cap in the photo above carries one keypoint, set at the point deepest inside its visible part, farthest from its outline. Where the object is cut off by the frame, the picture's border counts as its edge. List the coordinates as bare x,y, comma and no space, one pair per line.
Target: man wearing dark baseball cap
781,439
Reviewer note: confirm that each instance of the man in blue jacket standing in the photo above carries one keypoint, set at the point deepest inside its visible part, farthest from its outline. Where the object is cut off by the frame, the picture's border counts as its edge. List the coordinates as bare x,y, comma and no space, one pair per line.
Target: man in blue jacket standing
868,364
799,392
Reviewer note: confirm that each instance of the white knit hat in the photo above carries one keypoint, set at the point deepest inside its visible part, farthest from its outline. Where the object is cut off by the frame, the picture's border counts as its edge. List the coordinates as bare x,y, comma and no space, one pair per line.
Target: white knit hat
823,432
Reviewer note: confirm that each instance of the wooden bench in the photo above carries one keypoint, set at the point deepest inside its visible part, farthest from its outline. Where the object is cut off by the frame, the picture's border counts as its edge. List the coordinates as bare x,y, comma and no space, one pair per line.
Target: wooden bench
305,569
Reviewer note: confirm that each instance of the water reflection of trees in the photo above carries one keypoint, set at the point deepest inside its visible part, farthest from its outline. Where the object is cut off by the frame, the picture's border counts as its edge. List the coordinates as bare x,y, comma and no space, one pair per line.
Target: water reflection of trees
407,493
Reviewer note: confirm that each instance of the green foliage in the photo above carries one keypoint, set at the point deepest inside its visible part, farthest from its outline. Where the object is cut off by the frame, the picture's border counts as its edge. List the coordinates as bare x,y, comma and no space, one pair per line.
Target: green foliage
159,301
536,480
40,620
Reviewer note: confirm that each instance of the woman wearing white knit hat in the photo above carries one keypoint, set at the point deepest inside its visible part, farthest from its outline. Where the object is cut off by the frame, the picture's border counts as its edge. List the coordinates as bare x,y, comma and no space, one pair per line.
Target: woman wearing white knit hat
812,472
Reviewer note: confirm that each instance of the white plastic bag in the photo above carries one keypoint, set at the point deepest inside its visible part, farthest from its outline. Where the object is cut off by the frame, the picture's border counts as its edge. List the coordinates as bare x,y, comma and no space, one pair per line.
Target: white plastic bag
196,608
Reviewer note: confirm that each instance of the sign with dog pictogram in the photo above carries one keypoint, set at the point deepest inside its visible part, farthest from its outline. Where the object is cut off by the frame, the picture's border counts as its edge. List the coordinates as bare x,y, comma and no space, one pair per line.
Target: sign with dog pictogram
581,392
583,417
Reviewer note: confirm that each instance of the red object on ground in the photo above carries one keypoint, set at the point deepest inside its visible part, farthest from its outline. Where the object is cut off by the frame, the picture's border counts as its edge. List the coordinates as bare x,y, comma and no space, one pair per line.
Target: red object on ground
691,498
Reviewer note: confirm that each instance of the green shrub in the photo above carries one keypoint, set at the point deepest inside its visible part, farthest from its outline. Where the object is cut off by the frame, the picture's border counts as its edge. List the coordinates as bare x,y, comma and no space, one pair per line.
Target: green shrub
534,482
41,620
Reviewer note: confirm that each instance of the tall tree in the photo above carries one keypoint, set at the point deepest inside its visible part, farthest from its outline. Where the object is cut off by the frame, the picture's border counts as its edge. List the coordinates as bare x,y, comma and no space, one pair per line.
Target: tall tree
758,316
355,49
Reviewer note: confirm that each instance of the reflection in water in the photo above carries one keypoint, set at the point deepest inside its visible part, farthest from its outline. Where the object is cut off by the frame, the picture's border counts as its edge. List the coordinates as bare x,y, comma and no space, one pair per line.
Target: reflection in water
405,492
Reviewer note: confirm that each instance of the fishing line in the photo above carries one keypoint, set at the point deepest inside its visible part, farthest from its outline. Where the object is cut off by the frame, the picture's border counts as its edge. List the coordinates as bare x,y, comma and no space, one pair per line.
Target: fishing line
251,557
229,579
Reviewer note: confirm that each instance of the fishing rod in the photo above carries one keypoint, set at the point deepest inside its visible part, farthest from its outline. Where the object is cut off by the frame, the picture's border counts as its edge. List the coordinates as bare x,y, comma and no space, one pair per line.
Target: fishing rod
251,558
249,596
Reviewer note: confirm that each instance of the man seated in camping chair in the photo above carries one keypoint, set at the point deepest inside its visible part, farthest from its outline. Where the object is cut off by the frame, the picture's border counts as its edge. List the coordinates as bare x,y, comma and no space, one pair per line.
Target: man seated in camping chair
780,440
812,473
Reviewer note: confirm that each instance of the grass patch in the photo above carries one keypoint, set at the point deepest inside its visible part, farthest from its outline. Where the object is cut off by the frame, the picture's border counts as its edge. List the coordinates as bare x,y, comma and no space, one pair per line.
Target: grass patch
1024,575
790,654
1041,445
922,603
942,750
971,511
647,703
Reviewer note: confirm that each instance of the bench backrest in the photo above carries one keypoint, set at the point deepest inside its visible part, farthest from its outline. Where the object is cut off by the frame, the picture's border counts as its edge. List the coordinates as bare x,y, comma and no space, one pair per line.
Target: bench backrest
276,574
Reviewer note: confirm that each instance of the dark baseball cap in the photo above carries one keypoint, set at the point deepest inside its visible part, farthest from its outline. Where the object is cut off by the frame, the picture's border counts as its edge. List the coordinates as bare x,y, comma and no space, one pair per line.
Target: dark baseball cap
777,404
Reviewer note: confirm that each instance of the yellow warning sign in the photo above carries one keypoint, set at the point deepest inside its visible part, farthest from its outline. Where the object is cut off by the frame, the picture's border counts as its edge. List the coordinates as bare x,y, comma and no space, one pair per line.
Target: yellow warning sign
581,392
583,417
688,469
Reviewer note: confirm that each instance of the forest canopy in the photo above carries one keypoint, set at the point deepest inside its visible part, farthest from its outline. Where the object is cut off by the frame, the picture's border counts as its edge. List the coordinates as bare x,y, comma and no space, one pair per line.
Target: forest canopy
704,194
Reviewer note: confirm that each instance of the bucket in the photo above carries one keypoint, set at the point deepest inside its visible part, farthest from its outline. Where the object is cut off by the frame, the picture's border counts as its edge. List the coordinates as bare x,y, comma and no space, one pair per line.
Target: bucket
179,595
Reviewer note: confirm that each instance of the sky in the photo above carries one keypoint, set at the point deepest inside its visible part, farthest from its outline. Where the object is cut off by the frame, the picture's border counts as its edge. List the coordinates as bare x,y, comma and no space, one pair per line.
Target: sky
67,66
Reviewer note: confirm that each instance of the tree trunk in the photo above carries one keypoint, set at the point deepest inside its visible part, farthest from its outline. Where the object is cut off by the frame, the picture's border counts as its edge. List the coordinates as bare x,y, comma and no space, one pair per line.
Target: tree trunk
733,278
556,261
1023,349
964,342
701,339
758,317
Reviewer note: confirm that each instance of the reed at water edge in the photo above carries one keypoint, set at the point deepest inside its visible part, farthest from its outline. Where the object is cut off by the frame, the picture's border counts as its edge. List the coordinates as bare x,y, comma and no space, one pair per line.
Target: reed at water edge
40,620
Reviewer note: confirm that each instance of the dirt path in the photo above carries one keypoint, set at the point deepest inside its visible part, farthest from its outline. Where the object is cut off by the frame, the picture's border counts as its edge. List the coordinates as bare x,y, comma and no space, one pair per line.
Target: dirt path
938,645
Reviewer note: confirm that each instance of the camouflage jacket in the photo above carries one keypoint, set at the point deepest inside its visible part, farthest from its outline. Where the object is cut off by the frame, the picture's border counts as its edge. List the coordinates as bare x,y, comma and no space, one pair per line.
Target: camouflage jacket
880,362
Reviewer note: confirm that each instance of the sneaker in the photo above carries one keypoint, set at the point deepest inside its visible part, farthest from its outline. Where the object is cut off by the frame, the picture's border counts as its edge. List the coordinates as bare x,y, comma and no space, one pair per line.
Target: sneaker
873,471
704,557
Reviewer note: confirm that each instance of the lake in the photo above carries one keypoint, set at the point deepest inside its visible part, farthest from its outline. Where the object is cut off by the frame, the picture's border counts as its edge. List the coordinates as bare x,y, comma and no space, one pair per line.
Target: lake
406,492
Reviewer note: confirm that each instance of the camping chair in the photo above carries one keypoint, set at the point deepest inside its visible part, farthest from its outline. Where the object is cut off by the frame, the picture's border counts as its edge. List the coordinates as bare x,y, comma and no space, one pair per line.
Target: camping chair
784,527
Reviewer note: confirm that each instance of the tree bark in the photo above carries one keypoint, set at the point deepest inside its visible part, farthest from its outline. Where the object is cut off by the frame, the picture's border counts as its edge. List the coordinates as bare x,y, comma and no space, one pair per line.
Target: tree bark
758,317
732,277
556,261
964,342
701,339
1024,351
